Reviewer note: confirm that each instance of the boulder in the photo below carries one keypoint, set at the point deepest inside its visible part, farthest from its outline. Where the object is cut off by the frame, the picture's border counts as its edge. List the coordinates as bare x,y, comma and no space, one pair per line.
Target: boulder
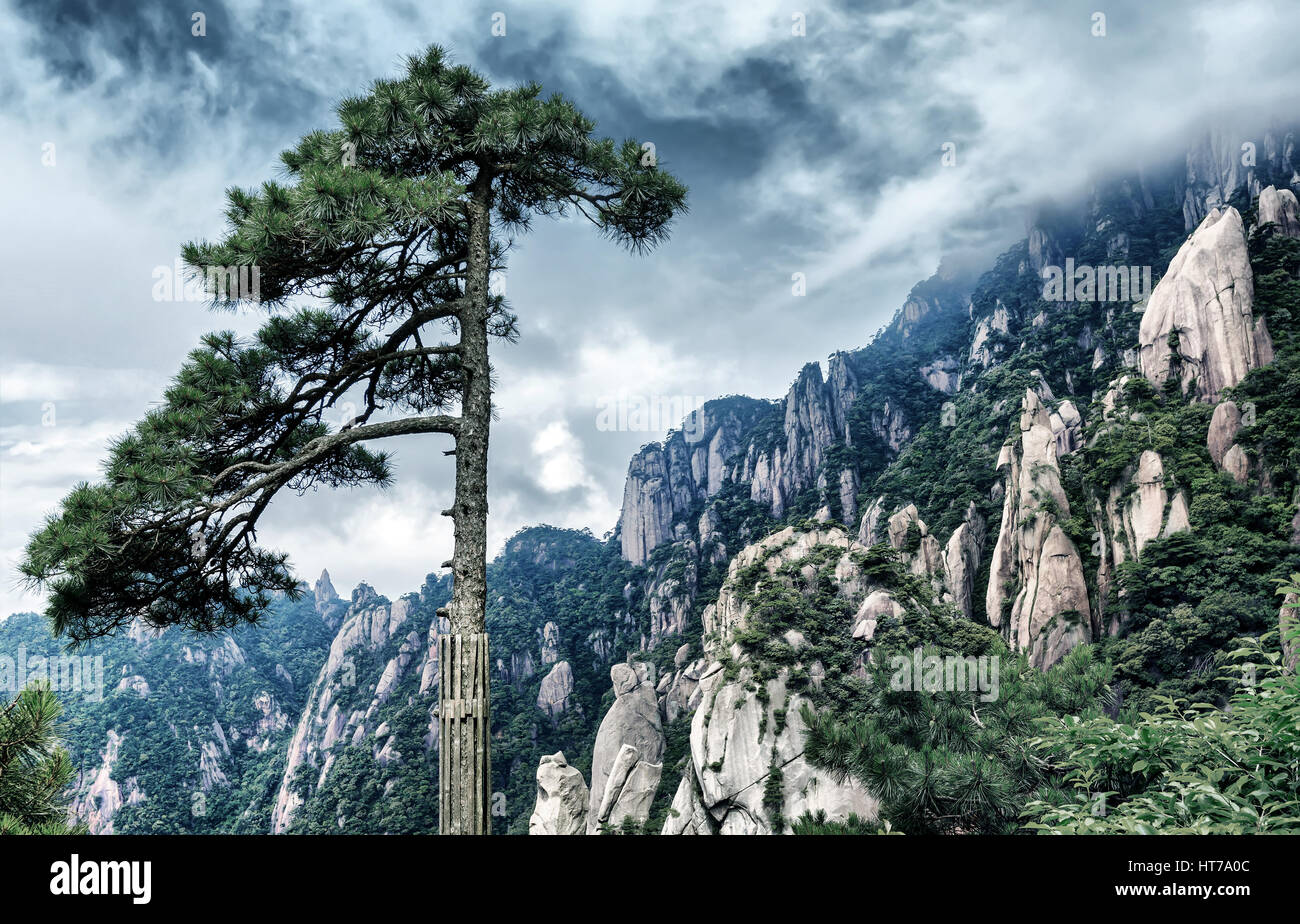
1067,428
555,695
1204,300
1224,424
1236,464
877,605
632,722
561,798
1279,207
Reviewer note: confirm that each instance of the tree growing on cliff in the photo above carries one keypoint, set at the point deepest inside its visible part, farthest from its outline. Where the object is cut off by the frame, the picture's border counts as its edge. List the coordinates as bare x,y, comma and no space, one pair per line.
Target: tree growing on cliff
388,230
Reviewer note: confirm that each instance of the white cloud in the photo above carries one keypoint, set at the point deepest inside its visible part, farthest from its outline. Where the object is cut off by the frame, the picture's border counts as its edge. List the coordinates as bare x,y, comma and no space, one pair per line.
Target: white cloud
845,125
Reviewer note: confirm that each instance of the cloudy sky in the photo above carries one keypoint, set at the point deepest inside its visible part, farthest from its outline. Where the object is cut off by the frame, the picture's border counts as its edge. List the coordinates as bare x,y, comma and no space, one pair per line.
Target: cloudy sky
818,153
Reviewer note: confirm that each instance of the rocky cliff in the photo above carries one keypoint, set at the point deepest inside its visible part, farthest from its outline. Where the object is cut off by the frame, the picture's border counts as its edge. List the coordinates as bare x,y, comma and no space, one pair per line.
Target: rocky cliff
666,481
1198,327
1012,549
992,464
381,662
1036,593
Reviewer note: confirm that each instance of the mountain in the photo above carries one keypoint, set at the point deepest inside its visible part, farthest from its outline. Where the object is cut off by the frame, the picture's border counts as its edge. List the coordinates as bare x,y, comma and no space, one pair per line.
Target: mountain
1007,471
1078,467
177,732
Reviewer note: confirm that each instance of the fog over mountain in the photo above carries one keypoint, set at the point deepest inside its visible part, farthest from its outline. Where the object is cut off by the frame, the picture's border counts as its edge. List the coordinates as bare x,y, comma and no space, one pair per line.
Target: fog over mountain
820,153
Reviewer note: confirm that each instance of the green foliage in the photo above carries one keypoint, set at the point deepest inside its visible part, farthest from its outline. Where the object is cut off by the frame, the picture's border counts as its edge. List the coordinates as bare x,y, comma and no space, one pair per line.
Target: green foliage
386,225
948,762
546,574
774,794
811,824
162,734
1183,768
34,768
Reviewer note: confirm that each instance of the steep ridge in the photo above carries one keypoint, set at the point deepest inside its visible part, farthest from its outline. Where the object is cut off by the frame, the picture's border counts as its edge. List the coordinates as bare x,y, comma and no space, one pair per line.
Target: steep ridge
175,731
1112,466
1090,495
379,674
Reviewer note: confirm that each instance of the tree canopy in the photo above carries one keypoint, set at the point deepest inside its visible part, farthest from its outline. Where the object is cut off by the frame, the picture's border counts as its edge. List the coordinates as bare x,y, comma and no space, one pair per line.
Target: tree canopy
371,254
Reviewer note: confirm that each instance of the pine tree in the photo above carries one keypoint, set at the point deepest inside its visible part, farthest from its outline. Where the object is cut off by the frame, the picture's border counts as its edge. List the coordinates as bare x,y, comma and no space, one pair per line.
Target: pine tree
34,769
389,228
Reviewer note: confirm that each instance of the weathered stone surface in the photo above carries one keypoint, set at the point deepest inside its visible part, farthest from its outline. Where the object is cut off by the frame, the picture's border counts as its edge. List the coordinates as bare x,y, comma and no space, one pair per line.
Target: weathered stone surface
1043,249
687,814
848,494
815,418
1036,592
899,524
735,733
1178,520
665,480
647,518
1224,424
562,798
891,425
671,594
922,555
632,722
555,695
878,605
942,375
136,684
629,789
776,550
1136,510
736,742
366,628
869,529
1279,207
1146,507
99,796
1206,297
1067,428
550,644
711,540
1214,172
394,671
981,350
961,560
1288,621
1237,464
680,689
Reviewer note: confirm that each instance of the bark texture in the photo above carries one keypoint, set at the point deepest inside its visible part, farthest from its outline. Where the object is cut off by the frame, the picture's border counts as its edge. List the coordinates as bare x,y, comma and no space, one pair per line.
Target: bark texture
465,716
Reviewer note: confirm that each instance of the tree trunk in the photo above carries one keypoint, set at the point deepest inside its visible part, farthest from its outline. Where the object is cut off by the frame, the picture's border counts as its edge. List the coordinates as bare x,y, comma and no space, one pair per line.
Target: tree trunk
465,716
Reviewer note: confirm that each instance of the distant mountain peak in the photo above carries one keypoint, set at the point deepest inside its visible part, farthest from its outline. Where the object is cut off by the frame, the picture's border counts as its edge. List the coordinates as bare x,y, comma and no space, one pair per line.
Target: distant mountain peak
324,589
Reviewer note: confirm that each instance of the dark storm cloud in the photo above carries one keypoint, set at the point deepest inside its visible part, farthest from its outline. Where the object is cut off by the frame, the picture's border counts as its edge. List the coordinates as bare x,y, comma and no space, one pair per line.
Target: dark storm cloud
235,70
817,153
